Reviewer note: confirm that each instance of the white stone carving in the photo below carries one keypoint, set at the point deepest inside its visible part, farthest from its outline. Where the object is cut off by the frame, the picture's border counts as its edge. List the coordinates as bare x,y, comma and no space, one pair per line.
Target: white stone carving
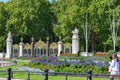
21,46
9,43
75,41
60,47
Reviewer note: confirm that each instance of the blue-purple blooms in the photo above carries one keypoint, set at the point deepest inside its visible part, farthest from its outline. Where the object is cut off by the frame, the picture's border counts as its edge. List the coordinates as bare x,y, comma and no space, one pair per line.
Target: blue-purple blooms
56,62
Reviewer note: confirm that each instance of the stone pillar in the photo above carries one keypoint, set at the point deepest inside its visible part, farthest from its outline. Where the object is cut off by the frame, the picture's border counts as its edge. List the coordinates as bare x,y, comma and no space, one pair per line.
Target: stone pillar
75,41
9,43
32,48
60,47
21,46
47,47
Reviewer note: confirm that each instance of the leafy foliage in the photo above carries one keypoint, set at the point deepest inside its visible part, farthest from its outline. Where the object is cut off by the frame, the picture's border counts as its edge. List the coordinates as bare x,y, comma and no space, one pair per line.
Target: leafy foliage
57,19
72,14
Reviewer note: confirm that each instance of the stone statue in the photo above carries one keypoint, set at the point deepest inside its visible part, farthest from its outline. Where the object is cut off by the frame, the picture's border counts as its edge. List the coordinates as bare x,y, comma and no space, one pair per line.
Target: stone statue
75,41
9,43
9,34
75,33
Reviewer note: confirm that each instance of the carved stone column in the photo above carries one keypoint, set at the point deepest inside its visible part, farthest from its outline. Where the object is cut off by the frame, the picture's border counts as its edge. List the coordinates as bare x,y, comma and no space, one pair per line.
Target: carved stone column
9,43
32,47
75,41
47,47
21,47
60,48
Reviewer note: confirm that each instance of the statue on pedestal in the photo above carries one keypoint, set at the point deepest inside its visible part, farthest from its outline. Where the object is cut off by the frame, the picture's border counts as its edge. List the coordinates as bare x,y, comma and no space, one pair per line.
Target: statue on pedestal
9,43
75,41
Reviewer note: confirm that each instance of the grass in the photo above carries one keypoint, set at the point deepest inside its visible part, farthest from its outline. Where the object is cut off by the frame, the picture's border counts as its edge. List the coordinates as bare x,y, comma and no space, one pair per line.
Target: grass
13,67
38,77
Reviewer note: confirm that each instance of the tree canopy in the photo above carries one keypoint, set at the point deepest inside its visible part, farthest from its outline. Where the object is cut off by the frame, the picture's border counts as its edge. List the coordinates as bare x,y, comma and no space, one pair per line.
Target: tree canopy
72,13
57,19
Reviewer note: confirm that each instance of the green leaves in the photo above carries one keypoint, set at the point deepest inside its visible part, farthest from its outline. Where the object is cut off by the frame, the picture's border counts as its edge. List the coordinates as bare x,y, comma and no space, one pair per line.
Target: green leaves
29,18
39,18
71,13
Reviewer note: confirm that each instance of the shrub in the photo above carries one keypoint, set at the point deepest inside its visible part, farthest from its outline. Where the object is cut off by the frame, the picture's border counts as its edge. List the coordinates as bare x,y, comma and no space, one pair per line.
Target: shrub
103,54
67,69
68,54
110,52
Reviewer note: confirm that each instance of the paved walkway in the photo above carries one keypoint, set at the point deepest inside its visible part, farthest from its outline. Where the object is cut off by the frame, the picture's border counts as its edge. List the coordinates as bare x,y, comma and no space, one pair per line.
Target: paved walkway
11,79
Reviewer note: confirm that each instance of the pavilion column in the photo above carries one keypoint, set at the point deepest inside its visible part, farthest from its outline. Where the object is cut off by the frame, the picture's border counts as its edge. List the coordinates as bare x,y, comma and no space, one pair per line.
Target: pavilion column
21,47
32,47
47,47
60,48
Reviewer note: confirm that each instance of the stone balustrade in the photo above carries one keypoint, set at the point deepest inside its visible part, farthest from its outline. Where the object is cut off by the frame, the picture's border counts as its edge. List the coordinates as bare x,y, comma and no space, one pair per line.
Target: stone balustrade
6,63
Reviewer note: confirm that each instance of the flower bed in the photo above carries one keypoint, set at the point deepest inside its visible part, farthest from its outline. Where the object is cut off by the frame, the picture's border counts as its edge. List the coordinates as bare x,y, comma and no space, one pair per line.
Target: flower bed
67,54
69,65
104,54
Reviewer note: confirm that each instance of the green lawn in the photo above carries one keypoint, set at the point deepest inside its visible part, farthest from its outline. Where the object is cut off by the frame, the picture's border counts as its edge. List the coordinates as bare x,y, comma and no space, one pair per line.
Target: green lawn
39,77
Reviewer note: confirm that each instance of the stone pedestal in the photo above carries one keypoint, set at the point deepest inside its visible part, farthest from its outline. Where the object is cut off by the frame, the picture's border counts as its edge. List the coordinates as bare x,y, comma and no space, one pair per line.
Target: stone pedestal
9,43
75,41
60,48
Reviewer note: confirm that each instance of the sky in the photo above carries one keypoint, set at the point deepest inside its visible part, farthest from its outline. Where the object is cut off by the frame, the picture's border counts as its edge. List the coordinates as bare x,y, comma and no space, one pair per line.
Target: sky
3,0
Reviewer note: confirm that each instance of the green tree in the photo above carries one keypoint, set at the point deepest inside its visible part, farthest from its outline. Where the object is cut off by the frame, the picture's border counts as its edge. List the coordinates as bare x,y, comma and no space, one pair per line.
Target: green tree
114,26
29,18
72,13
3,18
